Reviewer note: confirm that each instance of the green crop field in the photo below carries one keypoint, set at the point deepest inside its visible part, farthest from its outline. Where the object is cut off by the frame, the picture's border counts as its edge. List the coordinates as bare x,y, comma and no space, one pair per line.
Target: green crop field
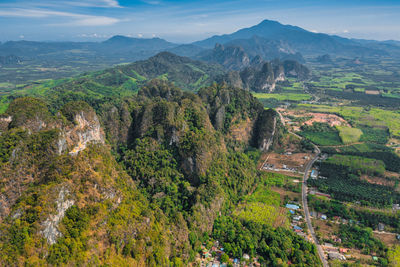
283,97
356,163
349,135
323,138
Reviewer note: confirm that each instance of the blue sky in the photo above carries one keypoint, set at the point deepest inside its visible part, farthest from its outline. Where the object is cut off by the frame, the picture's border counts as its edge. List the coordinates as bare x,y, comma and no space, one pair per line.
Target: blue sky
191,20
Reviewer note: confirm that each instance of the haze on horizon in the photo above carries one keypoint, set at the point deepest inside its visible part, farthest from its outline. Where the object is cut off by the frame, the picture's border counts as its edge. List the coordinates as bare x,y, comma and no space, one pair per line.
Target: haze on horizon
192,20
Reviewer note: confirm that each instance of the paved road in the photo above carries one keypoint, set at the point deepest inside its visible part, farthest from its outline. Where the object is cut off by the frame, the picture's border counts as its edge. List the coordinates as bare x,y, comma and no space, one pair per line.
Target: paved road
307,212
304,198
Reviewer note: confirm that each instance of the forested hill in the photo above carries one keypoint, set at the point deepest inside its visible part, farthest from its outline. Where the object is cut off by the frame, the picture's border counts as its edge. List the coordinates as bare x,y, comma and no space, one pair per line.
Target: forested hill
141,180
125,80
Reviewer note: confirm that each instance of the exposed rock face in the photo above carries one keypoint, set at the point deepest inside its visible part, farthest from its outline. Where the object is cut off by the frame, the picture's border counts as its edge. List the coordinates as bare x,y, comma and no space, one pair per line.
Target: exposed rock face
295,69
262,76
168,115
226,104
50,231
231,57
219,118
265,130
83,127
85,131
267,142
259,79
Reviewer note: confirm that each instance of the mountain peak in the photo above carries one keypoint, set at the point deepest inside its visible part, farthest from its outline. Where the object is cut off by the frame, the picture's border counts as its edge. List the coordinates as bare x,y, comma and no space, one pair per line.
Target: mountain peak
269,22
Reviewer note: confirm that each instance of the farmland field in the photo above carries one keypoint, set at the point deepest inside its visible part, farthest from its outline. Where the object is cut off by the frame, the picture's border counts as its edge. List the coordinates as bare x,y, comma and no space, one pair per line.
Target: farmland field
323,138
349,135
283,97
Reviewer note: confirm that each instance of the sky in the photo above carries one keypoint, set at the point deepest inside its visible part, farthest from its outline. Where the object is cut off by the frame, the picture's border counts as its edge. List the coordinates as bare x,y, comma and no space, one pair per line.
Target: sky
191,20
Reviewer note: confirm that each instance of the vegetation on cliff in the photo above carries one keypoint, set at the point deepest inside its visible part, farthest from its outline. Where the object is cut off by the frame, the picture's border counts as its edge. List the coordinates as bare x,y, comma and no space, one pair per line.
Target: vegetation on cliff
151,198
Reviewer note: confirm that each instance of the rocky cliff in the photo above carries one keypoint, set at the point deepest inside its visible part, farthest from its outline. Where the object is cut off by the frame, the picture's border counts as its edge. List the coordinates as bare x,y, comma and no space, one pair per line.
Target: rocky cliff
262,76
149,198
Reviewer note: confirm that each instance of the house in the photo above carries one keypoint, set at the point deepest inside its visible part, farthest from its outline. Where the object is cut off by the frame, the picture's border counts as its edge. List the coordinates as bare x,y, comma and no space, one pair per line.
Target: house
323,217
330,248
343,250
381,227
297,217
297,228
291,211
292,206
314,174
206,254
246,257
336,256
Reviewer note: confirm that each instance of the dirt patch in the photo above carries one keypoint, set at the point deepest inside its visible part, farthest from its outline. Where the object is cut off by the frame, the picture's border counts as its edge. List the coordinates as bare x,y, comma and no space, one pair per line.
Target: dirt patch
288,163
389,239
325,229
395,144
394,175
378,180
372,92
295,118
331,119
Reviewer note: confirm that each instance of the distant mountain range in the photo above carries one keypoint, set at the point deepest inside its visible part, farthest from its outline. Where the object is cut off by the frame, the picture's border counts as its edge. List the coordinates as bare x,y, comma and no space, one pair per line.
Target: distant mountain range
297,38
269,39
266,41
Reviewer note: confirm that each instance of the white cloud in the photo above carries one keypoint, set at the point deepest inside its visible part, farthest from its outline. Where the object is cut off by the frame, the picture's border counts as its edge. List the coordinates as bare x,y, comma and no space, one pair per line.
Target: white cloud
93,35
91,3
346,31
78,19
111,3
95,21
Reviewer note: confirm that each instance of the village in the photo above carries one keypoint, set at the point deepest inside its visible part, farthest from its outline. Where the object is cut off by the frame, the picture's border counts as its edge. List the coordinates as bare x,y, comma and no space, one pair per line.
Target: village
215,256
294,162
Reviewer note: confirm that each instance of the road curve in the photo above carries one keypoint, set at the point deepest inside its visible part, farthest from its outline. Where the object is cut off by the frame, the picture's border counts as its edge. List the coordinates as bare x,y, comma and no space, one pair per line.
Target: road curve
307,212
